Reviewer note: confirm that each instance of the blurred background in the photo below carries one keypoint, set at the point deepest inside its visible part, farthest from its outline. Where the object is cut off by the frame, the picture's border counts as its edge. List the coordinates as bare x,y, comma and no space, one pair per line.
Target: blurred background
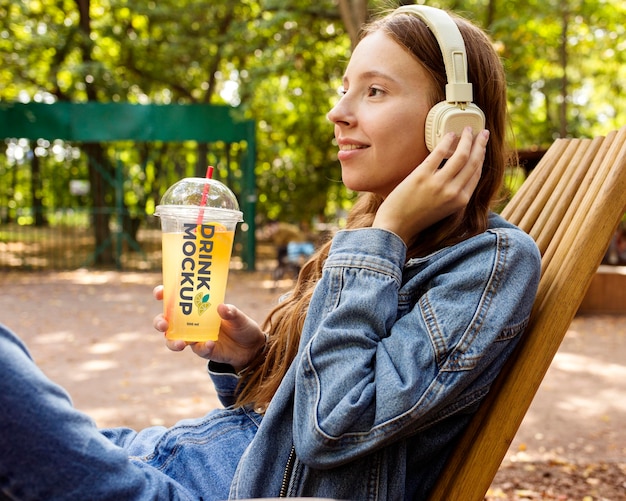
78,185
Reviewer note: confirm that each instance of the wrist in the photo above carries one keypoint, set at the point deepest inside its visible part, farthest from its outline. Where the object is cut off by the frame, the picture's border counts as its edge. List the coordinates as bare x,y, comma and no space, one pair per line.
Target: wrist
259,352
397,231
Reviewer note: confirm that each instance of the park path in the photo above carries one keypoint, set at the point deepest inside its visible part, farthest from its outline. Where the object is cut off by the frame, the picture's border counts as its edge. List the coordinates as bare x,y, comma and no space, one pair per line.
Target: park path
91,332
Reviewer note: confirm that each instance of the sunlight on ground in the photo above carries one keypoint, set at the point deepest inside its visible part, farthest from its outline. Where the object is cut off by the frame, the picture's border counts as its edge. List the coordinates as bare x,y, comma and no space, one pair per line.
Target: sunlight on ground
570,362
54,338
598,404
91,277
104,348
97,365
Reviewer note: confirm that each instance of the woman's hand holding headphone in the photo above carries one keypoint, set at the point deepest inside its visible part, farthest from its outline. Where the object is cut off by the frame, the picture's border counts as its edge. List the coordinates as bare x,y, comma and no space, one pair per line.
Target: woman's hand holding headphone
430,192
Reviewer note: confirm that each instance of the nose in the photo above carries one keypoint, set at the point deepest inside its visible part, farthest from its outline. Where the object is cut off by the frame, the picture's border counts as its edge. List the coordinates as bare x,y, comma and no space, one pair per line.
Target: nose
340,114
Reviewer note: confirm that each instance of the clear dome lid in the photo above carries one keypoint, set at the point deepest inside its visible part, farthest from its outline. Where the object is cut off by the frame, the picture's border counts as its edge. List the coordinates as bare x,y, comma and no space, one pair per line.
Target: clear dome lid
190,192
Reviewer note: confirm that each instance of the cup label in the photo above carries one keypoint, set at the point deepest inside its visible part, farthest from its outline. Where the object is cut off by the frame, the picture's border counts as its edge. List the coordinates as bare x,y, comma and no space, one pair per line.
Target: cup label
195,283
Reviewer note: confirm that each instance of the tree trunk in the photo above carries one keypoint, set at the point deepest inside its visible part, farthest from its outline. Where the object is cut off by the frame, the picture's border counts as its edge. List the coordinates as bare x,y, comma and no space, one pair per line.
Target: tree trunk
98,169
353,14
98,165
564,61
36,190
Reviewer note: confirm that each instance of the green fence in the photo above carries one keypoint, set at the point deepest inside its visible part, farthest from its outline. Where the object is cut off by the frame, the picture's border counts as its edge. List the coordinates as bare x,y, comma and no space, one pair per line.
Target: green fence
139,151
67,242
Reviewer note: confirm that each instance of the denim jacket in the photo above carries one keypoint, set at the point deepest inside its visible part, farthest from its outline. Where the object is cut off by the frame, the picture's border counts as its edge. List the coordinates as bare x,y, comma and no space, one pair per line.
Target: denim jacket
394,359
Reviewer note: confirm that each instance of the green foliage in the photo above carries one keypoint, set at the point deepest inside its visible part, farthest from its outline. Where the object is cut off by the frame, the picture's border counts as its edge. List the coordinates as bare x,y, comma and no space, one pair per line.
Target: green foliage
280,63
564,61
290,83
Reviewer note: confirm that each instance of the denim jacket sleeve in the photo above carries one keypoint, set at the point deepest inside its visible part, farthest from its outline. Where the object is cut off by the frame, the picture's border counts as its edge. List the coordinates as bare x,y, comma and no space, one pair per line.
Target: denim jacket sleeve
226,382
386,352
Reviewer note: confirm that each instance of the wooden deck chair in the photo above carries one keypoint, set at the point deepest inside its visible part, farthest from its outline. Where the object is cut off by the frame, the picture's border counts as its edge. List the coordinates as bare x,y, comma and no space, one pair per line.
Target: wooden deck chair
570,204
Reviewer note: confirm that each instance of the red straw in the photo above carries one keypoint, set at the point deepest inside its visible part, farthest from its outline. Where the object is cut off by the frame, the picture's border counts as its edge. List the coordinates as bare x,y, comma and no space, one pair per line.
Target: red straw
205,194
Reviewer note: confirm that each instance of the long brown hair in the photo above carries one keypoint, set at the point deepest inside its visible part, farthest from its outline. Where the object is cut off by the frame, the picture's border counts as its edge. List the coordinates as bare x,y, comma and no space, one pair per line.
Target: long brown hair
284,323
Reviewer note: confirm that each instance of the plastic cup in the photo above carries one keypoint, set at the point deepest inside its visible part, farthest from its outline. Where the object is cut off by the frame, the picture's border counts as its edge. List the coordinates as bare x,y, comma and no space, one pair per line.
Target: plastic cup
197,245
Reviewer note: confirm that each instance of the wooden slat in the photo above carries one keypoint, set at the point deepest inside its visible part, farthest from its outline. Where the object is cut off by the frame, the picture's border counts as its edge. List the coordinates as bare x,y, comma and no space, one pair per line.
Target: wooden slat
606,155
573,256
553,214
539,187
525,194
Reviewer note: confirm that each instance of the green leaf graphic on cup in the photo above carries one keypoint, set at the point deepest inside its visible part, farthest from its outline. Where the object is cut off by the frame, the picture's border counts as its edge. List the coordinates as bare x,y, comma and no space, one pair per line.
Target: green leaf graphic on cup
202,302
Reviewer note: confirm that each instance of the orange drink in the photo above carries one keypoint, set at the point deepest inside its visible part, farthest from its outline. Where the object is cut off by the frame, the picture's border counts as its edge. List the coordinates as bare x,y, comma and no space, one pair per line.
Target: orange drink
195,272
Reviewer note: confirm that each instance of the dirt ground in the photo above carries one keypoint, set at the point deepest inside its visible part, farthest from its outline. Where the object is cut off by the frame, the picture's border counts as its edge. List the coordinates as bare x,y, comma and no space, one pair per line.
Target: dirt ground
92,333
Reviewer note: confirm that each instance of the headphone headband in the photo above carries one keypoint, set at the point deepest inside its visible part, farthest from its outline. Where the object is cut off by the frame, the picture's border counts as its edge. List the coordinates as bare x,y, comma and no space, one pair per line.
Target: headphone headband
458,89
458,111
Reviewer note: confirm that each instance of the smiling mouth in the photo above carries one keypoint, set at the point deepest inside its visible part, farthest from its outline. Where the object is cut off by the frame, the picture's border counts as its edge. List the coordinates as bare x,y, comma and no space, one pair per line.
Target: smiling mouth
350,147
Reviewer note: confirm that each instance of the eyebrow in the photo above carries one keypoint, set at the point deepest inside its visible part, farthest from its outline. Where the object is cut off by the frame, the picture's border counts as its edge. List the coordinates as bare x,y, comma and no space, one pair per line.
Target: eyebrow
374,74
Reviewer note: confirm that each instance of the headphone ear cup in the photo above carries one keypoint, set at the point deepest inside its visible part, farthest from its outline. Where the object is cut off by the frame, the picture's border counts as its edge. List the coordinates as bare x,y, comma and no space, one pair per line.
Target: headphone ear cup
445,117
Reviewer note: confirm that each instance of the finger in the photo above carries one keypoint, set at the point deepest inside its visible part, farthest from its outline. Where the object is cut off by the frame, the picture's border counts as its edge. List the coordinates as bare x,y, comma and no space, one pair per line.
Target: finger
470,176
227,311
160,323
444,149
157,292
477,154
479,142
468,157
203,350
233,315
457,159
452,145
175,344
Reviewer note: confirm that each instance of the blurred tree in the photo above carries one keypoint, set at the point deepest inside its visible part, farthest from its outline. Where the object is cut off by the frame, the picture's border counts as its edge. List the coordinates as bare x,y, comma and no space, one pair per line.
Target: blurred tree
564,64
353,14
271,59
280,63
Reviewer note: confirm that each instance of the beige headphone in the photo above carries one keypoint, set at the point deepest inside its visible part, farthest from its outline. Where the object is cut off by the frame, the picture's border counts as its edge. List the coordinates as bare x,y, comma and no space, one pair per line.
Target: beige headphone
457,111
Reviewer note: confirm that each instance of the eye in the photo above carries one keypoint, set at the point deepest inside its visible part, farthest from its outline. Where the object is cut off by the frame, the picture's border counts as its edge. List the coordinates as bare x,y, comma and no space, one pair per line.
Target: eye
341,90
374,92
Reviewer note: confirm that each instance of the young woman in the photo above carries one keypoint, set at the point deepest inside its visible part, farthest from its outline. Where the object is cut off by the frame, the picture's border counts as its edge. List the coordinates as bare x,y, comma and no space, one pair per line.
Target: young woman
360,380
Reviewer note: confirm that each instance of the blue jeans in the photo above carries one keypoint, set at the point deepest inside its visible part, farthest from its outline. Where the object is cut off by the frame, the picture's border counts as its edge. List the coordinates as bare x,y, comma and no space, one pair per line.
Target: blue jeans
51,451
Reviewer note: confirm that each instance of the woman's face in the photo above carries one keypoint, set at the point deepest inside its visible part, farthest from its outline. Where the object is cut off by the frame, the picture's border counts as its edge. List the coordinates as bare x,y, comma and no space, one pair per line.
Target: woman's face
379,120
